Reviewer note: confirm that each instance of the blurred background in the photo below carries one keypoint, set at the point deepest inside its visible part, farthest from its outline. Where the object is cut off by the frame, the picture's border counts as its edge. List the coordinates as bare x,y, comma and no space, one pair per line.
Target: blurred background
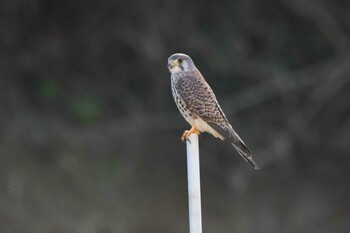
90,134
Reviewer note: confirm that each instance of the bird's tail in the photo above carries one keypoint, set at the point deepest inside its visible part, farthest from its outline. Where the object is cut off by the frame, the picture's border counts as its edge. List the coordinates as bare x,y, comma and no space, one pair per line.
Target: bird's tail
226,132
246,155
242,149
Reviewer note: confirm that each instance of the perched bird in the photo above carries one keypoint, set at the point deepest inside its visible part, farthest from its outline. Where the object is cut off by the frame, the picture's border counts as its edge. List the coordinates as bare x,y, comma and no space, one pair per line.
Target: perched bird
198,105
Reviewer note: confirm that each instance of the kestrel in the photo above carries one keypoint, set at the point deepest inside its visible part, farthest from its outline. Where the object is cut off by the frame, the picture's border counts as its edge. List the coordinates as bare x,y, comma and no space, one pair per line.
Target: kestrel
199,106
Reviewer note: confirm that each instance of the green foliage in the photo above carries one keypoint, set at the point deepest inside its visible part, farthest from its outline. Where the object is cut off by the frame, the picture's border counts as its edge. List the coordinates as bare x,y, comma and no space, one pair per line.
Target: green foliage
85,109
48,88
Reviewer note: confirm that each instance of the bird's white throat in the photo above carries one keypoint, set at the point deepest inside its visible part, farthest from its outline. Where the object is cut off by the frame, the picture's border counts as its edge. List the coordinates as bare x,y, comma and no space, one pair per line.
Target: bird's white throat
175,70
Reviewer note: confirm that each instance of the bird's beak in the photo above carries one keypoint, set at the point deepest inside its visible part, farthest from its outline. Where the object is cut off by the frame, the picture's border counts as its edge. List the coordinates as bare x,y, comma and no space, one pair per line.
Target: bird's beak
172,64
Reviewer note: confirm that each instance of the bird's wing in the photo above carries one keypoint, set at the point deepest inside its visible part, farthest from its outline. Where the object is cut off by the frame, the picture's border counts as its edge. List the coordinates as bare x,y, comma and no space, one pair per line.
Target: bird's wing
201,100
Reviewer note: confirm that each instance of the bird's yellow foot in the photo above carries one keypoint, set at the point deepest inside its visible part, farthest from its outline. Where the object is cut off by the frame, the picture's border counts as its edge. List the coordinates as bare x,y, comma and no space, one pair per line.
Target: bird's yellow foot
187,133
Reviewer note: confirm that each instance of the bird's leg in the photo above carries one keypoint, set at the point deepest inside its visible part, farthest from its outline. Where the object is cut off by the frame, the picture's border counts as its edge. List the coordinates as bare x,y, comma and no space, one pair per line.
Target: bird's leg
187,133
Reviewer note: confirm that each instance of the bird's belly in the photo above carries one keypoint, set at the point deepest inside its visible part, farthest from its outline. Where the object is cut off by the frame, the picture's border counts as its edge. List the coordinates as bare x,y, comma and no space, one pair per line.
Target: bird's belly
181,105
199,123
186,113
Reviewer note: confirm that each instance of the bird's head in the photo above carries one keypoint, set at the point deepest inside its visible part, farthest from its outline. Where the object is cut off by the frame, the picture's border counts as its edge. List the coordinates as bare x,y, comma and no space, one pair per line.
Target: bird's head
180,62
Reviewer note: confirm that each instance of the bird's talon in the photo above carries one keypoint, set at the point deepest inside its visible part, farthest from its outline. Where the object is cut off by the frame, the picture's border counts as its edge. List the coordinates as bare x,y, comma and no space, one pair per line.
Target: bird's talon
187,133
184,136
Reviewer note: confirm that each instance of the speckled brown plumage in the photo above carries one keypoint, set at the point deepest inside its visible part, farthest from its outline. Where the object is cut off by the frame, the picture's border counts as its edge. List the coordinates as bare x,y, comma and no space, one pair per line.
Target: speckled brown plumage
198,104
194,93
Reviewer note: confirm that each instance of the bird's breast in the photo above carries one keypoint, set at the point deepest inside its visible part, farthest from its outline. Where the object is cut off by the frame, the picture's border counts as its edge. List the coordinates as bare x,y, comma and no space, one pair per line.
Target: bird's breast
182,106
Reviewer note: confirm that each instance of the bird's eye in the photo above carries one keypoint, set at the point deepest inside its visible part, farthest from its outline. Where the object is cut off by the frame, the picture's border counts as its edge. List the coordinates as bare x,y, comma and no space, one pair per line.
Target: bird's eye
180,60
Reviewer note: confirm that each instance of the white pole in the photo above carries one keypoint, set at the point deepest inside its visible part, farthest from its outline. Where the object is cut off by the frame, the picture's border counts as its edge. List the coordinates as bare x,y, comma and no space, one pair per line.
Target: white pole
194,186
